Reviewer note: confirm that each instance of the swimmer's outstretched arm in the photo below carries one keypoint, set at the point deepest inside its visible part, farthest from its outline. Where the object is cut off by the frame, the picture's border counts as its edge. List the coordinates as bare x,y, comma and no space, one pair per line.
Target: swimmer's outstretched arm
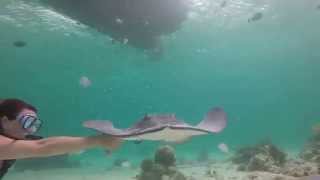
20,149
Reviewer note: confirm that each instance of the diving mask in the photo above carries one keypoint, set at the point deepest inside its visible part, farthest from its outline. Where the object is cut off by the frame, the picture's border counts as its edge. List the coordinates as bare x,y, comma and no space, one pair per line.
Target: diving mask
30,122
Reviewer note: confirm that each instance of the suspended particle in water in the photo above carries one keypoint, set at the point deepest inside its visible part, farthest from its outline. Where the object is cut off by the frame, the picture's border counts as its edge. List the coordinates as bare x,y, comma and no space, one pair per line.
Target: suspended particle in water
109,90
19,44
113,41
85,82
126,164
202,50
193,15
223,4
125,41
223,148
148,86
119,21
256,17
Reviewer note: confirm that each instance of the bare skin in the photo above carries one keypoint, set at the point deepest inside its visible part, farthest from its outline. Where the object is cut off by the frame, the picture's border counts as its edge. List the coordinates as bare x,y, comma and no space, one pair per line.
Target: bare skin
20,149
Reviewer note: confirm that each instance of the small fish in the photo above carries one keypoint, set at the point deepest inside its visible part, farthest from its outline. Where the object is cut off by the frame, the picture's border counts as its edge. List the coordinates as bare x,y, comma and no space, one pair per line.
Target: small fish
257,16
85,82
19,44
223,148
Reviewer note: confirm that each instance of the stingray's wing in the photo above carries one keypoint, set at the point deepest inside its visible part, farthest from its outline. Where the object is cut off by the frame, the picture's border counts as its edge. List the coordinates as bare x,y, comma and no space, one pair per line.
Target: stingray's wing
106,127
215,121
146,125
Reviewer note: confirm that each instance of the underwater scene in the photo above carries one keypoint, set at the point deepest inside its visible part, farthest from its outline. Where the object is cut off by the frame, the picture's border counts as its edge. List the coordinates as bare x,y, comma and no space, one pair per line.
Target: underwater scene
232,86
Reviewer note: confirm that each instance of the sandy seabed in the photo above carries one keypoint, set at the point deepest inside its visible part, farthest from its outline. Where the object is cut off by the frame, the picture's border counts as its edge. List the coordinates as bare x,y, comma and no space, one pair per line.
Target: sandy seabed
216,171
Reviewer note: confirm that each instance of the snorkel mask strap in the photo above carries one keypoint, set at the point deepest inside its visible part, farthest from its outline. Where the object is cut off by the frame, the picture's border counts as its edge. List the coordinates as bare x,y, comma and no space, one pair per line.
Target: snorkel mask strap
33,137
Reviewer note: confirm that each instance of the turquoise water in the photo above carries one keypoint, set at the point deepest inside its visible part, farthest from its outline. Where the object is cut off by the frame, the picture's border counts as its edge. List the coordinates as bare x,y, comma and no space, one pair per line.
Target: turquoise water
265,74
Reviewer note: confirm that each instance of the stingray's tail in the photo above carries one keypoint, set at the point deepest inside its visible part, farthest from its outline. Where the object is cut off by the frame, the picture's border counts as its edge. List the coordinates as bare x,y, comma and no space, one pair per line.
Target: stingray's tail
215,120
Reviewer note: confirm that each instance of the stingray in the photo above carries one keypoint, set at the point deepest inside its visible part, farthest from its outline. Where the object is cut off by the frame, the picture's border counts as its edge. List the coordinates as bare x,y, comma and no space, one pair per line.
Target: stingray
163,127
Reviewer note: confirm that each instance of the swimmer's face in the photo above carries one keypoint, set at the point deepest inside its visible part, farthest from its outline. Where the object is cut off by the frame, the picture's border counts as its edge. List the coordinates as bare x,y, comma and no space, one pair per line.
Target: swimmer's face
13,127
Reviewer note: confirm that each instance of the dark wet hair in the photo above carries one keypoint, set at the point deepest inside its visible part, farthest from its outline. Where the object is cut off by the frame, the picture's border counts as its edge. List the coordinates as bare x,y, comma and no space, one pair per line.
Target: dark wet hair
12,107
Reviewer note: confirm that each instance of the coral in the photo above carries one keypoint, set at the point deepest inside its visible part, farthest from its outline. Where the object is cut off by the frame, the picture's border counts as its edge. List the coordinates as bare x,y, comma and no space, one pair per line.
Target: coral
268,158
147,165
159,170
299,168
311,151
162,167
149,176
264,156
316,128
165,156
258,162
178,176
244,155
210,172
311,154
278,156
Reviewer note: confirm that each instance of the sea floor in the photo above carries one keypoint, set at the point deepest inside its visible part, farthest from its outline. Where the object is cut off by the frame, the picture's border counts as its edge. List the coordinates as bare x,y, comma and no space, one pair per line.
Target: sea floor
218,170
222,171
